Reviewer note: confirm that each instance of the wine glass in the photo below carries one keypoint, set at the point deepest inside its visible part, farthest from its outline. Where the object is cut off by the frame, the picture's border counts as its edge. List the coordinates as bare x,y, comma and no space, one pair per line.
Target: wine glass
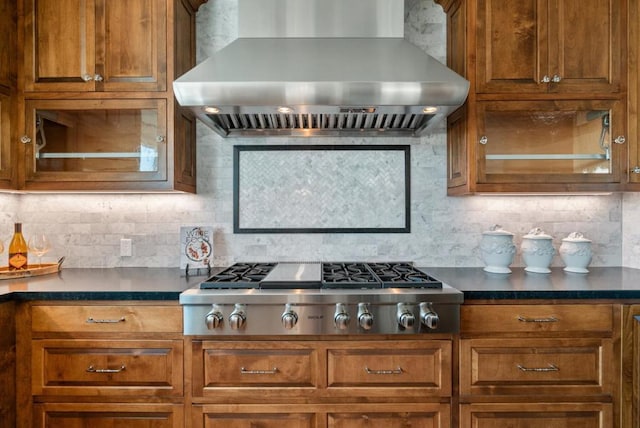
39,245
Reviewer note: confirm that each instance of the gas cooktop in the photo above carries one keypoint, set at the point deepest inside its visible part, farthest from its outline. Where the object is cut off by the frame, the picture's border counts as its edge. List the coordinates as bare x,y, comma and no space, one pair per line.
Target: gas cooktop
321,275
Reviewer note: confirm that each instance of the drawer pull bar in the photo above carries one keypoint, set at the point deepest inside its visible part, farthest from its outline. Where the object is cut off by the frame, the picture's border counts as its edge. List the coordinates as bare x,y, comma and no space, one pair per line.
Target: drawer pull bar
91,320
548,319
550,368
246,371
376,372
92,369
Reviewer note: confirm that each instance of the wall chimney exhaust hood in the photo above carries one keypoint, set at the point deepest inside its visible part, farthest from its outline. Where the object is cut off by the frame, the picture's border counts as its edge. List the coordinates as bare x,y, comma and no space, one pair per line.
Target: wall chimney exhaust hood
321,67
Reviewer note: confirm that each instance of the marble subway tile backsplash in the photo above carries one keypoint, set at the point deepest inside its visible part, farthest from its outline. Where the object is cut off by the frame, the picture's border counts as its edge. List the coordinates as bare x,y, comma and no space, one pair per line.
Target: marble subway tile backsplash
446,231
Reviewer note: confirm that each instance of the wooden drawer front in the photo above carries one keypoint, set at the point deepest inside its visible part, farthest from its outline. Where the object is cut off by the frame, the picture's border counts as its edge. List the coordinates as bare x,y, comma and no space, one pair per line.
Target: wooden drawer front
108,318
83,367
481,319
425,364
542,415
430,415
254,365
536,366
107,415
258,420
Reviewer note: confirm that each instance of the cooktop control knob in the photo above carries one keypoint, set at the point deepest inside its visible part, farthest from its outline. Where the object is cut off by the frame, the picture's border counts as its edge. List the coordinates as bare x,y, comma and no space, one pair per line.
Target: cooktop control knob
341,318
405,317
238,317
365,317
289,317
428,316
214,318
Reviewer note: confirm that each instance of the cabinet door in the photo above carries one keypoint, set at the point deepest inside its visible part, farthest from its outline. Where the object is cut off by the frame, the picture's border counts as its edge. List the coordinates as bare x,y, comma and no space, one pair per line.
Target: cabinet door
96,144
586,45
550,143
132,54
59,51
112,45
512,48
8,49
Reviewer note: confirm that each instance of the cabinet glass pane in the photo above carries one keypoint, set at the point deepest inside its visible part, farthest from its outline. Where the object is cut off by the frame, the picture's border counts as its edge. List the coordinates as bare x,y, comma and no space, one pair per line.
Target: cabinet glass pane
118,140
548,142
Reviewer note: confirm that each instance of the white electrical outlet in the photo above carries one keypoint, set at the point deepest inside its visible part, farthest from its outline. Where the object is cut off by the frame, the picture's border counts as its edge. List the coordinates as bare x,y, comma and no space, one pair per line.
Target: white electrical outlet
126,247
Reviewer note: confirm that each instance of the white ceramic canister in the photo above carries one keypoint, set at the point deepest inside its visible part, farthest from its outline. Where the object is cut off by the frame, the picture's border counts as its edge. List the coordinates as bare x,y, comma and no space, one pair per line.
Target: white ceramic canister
497,249
576,253
537,251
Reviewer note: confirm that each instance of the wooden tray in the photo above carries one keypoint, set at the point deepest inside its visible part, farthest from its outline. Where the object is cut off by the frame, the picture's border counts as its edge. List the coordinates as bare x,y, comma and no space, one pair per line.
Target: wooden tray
33,270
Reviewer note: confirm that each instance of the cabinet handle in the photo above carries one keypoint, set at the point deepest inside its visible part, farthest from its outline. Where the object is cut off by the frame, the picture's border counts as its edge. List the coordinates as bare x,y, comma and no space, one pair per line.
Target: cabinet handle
620,139
549,368
247,371
25,139
160,139
548,319
98,78
384,372
484,140
92,369
91,320
87,78
556,78
545,79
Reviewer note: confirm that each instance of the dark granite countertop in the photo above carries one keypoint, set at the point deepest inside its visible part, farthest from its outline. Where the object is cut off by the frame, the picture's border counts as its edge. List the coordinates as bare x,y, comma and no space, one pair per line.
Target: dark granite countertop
599,283
101,284
168,283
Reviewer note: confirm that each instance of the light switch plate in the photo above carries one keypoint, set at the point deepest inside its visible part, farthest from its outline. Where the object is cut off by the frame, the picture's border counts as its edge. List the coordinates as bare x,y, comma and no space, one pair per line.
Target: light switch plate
126,247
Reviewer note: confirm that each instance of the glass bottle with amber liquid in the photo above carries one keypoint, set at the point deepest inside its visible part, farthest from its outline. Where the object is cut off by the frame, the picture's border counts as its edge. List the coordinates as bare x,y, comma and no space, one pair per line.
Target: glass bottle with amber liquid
18,250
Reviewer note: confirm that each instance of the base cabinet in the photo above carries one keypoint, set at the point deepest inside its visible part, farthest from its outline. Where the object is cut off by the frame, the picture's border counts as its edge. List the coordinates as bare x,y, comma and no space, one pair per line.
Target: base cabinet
110,415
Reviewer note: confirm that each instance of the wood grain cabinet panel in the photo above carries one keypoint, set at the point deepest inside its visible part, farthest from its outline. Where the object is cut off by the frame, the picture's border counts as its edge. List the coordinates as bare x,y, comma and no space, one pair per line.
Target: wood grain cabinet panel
544,415
541,367
107,415
537,319
106,319
424,365
111,46
107,367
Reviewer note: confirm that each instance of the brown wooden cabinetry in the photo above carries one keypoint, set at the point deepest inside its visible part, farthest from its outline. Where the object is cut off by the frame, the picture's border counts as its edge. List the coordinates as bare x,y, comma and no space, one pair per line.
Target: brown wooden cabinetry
103,365
539,365
308,383
8,83
99,114
559,69
7,365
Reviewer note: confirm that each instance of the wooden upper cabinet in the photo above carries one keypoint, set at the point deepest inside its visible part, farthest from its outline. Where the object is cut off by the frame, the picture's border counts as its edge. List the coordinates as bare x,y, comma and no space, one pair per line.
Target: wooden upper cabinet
8,44
108,46
549,46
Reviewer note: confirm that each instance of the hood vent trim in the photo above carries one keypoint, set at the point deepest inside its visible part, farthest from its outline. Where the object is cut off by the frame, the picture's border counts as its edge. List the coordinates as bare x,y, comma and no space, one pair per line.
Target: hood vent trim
319,124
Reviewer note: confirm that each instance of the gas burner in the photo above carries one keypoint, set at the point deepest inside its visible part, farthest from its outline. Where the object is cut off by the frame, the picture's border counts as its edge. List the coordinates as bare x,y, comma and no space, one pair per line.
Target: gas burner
348,275
239,275
403,275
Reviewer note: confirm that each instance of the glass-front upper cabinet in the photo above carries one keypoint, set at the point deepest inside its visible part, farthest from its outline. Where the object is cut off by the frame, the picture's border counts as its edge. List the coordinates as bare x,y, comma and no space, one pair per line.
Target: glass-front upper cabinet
95,144
550,142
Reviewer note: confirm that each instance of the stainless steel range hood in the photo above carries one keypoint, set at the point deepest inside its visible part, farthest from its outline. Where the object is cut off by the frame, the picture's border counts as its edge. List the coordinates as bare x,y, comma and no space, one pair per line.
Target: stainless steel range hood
321,67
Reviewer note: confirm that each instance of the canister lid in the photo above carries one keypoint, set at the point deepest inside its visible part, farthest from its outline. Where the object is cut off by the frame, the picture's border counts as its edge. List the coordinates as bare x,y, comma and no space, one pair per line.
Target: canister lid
576,237
537,233
497,230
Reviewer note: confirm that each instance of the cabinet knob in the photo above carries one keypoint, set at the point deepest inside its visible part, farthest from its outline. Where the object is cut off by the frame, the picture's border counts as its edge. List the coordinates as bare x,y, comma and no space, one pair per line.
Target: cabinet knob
160,139
25,139
545,79
620,139
87,78
636,170
98,78
484,140
556,78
